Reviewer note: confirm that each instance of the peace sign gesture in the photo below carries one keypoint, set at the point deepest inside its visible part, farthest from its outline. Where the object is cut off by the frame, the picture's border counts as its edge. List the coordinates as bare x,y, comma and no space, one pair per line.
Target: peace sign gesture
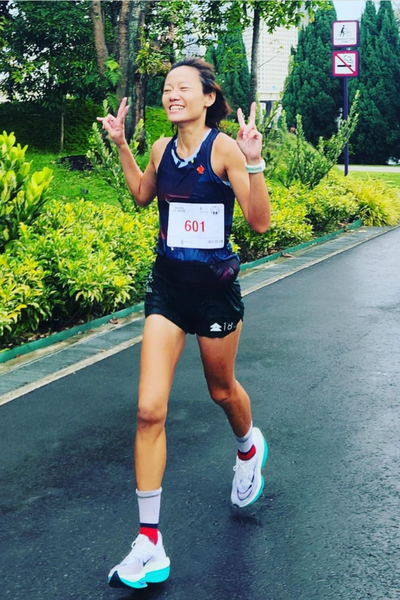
115,126
249,139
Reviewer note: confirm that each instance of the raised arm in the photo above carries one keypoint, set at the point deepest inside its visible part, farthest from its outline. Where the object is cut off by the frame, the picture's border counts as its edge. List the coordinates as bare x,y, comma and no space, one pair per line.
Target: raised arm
141,185
250,188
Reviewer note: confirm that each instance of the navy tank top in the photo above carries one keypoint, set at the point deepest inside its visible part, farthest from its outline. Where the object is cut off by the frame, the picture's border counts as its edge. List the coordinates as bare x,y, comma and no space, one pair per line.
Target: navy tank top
193,182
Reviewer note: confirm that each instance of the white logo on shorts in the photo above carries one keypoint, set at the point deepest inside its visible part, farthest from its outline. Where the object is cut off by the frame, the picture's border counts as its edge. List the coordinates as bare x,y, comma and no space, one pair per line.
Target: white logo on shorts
216,327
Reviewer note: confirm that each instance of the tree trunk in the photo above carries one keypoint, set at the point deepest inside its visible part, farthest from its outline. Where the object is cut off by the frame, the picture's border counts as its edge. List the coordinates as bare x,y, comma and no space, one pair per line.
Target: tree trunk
136,82
140,107
99,37
123,58
62,123
254,54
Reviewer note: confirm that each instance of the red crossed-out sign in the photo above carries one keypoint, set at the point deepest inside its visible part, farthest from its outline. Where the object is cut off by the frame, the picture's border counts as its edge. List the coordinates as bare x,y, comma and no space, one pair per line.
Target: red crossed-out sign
345,63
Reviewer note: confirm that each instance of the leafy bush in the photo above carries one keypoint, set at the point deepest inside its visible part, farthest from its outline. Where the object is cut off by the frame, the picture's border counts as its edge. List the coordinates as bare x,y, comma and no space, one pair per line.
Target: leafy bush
291,158
22,196
229,127
288,225
104,157
329,206
82,259
24,296
378,203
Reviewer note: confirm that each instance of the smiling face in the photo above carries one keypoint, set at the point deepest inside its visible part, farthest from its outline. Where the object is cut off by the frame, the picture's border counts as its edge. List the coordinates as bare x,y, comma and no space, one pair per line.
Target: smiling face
183,97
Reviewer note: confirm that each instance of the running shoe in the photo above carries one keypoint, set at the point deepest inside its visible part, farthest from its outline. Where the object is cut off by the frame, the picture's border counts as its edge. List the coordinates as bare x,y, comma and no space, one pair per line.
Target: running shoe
145,563
248,483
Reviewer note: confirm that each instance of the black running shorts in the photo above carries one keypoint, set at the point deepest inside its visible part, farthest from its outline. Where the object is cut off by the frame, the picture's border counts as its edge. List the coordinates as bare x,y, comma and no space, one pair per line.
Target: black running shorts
210,310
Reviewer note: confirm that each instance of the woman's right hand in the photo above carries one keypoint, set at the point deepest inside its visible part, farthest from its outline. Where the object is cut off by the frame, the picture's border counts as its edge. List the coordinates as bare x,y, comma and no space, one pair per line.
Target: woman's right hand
115,126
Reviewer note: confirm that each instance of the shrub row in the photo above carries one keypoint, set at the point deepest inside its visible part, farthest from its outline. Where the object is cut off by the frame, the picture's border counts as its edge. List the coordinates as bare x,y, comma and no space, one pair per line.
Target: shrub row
77,261
71,261
80,260
39,127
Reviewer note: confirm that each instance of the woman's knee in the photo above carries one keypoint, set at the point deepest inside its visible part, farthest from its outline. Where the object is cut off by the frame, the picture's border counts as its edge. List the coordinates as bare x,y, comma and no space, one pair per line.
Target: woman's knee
222,394
151,414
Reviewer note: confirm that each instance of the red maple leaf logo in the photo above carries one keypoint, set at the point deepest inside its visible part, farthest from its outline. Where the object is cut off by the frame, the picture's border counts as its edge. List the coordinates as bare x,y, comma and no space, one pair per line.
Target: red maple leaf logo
200,169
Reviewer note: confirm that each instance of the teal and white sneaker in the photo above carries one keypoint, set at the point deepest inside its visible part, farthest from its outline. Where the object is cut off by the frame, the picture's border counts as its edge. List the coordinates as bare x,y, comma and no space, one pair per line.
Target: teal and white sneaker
145,563
248,482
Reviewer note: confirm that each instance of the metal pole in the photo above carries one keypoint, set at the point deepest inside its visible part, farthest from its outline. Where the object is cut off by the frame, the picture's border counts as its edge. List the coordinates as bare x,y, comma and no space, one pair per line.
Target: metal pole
345,116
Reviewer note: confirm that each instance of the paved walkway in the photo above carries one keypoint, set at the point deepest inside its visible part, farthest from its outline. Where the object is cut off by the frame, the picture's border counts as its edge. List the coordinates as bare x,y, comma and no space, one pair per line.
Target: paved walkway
29,372
320,358
373,168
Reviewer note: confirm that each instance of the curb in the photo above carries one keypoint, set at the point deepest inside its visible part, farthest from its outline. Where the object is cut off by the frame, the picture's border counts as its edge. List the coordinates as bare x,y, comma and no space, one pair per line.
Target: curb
315,241
61,336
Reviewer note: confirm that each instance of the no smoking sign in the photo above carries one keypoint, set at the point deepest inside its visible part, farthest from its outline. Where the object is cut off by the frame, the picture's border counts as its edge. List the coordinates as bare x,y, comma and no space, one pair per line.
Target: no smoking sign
345,63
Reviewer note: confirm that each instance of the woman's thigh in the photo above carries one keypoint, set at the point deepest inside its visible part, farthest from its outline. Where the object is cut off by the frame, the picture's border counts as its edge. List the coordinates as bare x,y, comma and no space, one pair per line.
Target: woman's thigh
162,346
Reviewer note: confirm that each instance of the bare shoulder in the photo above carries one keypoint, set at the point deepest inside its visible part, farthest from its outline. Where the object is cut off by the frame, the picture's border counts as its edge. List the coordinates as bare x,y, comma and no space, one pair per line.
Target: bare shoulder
157,150
226,147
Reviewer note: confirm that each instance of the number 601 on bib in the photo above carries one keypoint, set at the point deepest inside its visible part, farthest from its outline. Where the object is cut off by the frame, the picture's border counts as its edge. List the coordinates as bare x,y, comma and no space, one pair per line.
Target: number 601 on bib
196,225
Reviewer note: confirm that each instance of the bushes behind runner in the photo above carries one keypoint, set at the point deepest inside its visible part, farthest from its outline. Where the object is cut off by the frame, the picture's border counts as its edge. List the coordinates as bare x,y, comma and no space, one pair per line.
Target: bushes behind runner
80,260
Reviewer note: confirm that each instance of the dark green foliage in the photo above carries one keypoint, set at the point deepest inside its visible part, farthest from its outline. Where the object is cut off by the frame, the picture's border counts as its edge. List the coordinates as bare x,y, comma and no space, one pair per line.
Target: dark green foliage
377,137
291,159
39,127
154,92
310,89
52,52
231,68
157,124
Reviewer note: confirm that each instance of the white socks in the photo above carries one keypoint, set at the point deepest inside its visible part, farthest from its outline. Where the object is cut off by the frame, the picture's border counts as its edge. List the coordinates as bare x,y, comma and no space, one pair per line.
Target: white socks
246,442
149,506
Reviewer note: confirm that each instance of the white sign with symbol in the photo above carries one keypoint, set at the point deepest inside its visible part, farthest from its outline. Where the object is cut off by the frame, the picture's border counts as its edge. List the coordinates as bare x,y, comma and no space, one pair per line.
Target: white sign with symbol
196,225
345,64
345,33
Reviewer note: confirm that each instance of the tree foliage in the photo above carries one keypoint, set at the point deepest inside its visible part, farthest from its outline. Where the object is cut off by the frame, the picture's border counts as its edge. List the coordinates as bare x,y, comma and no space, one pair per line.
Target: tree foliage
110,48
228,56
377,137
42,59
47,63
227,16
310,90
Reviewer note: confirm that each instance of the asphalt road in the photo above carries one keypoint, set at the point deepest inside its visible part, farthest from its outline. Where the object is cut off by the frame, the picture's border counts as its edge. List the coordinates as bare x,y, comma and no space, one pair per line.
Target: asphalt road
320,358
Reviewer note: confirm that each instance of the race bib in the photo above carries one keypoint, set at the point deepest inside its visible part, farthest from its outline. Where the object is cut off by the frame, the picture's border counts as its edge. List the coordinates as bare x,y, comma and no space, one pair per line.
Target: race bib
196,225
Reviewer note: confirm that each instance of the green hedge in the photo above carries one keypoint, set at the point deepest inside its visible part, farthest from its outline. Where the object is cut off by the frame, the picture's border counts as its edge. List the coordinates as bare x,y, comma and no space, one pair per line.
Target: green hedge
78,260
81,261
39,128
157,125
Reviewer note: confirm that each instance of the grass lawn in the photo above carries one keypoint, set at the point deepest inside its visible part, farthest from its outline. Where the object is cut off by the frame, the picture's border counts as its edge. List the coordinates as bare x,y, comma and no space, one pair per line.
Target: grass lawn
391,179
72,185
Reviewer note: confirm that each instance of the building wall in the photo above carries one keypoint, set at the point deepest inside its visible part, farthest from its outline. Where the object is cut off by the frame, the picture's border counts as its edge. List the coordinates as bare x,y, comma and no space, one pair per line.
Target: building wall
273,59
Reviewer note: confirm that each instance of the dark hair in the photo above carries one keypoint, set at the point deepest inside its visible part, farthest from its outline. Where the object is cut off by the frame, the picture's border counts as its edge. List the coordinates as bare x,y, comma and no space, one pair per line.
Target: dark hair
220,109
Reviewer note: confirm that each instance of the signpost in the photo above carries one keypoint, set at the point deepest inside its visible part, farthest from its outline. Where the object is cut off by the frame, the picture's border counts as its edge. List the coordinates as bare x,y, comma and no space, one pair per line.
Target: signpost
345,64
345,33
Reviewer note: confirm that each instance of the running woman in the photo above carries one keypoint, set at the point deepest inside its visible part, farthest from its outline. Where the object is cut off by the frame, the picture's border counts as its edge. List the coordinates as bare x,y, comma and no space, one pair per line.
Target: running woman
193,287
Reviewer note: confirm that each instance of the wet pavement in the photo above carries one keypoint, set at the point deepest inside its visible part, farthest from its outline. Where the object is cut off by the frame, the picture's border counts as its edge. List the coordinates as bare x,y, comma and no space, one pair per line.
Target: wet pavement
320,358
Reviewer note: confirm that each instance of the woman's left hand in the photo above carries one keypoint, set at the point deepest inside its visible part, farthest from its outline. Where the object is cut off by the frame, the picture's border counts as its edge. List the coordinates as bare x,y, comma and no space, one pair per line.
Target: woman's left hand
249,139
